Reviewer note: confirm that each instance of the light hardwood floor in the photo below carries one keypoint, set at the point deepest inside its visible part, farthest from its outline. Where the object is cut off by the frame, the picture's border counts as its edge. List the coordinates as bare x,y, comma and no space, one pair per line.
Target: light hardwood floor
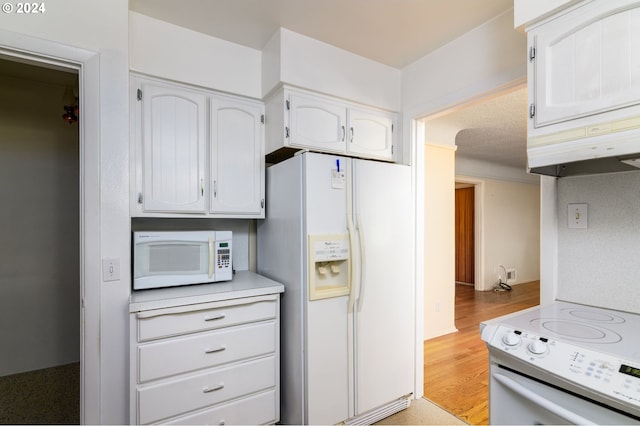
456,365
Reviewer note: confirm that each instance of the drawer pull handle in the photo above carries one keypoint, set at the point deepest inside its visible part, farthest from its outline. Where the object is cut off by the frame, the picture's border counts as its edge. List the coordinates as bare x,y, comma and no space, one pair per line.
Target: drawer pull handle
213,389
212,351
217,317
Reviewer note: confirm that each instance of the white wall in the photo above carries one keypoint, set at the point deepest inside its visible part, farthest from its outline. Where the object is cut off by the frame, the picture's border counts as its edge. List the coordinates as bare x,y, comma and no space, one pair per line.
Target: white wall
100,27
39,266
298,60
508,214
527,11
482,61
511,231
439,234
599,265
165,50
478,168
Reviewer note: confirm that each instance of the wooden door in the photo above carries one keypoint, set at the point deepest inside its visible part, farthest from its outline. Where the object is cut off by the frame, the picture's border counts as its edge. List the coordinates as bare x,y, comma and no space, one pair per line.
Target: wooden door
464,218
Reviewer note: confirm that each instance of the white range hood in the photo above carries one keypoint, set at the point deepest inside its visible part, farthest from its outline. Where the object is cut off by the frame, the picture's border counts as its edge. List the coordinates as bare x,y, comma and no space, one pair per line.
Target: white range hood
603,148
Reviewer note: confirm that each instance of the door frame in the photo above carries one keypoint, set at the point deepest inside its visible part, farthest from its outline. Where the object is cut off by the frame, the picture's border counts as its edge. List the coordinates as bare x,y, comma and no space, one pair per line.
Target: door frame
48,54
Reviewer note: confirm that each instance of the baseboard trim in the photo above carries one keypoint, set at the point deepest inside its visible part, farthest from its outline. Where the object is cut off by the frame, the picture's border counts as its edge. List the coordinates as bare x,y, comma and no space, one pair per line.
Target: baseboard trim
377,414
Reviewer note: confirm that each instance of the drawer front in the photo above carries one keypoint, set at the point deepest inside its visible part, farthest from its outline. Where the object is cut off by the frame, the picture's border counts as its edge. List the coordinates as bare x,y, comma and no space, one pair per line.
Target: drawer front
183,354
172,324
254,410
158,402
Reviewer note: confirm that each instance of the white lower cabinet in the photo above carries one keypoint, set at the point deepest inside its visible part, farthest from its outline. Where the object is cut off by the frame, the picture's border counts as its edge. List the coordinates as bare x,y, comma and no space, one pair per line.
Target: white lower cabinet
206,363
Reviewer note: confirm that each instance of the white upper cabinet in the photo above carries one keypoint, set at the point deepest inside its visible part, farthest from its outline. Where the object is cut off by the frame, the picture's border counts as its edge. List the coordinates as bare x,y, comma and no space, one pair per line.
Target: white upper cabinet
316,122
173,149
370,133
303,120
585,62
195,152
237,156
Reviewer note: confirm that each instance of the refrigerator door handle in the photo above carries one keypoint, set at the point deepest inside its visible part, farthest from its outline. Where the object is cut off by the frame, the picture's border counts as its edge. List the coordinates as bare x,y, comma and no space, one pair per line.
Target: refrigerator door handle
361,261
352,278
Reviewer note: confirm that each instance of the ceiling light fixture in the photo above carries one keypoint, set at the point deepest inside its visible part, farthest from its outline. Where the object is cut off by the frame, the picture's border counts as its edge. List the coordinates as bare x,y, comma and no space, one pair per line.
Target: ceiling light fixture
71,109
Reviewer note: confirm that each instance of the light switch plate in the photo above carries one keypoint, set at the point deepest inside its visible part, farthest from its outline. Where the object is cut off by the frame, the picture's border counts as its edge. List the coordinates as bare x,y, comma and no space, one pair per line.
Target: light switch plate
110,269
577,216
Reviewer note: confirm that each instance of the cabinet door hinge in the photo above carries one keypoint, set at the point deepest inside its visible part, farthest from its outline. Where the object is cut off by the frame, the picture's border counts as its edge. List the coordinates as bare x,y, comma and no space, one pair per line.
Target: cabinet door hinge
287,104
262,203
391,127
139,94
286,132
262,119
391,149
532,53
140,198
532,110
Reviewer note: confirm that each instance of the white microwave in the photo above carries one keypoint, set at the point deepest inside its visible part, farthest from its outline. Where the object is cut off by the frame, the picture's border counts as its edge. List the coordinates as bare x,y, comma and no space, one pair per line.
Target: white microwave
174,258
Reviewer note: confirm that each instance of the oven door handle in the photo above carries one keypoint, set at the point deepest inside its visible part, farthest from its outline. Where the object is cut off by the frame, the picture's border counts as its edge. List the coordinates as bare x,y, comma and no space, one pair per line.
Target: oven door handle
550,406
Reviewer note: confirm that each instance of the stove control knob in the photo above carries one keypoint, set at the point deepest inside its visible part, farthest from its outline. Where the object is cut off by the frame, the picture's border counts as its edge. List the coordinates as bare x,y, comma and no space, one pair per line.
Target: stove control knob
511,339
537,347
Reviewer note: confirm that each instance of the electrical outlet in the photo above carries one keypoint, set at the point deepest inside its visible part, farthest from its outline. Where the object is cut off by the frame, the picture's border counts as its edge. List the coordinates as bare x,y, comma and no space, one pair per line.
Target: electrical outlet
511,275
110,269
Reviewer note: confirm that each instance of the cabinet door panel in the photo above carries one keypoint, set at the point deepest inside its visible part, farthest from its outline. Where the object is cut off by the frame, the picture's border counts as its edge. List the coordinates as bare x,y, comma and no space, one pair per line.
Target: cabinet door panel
173,150
317,123
237,156
588,62
370,134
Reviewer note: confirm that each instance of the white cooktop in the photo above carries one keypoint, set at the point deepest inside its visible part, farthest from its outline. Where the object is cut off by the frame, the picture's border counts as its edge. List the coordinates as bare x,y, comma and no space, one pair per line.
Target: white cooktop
599,329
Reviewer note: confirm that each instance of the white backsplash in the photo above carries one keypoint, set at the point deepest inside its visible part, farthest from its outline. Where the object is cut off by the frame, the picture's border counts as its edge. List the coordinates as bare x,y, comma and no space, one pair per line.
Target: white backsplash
600,265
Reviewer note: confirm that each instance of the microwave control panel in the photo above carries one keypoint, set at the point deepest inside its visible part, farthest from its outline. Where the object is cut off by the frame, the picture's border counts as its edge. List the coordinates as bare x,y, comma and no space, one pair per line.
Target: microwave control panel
223,259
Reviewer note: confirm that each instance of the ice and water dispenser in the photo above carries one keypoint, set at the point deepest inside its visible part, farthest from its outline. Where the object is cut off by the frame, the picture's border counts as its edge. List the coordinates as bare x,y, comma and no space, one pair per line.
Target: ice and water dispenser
329,266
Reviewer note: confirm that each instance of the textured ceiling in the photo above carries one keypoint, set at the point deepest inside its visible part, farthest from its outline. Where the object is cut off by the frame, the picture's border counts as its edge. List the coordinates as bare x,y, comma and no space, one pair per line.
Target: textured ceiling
494,130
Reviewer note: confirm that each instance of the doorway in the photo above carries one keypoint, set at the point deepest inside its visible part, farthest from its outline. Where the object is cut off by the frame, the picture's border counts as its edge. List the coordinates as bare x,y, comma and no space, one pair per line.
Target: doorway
40,283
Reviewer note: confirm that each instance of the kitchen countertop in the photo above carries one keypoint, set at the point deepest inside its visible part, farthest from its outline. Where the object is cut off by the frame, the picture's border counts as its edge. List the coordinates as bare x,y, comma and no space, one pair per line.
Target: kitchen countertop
243,284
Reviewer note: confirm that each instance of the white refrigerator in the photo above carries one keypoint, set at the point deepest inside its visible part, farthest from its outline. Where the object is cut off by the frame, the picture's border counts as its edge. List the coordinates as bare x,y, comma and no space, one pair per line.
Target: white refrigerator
339,234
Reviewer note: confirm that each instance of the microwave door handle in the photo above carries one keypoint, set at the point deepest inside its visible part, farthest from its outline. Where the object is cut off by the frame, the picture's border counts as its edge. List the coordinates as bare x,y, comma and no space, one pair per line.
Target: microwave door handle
211,247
